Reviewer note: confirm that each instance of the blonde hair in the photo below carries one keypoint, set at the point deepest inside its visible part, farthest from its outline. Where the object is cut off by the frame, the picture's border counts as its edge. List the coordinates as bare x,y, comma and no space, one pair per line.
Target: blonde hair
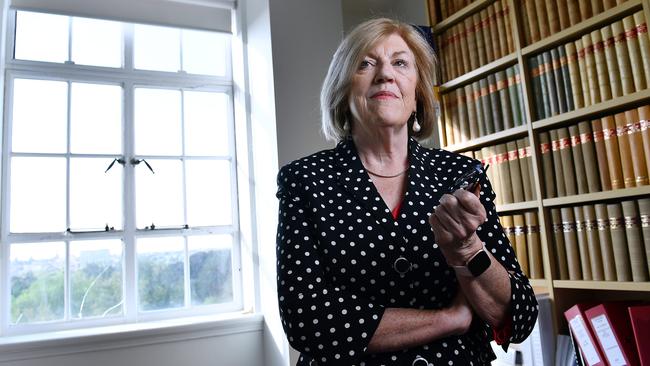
335,109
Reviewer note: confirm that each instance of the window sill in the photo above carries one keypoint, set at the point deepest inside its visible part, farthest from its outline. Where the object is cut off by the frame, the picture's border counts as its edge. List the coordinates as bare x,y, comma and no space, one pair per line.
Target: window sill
126,335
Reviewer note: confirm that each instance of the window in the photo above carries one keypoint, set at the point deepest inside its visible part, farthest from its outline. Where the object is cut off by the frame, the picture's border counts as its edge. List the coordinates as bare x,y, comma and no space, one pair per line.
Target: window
119,180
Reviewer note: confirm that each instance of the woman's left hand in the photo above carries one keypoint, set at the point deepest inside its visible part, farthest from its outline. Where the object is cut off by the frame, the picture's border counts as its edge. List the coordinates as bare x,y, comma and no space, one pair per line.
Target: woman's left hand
454,223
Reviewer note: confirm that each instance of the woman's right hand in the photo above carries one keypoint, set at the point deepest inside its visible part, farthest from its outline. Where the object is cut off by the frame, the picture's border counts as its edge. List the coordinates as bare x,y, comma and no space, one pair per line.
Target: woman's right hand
461,312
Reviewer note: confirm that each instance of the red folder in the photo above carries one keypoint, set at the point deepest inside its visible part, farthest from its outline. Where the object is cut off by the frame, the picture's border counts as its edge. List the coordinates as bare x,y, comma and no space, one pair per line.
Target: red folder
589,348
640,318
611,325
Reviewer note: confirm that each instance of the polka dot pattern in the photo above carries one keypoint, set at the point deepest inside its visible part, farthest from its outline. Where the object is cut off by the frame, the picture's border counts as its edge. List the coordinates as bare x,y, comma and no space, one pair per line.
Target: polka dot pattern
337,243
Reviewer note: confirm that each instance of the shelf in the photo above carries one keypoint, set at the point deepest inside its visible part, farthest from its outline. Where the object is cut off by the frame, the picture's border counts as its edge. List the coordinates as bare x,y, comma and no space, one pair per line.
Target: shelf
597,196
539,282
460,15
596,22
603,285
519,206
607,107
489,139
476,74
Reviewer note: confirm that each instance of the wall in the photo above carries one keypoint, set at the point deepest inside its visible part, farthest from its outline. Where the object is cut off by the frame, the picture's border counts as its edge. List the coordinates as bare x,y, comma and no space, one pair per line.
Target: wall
410,11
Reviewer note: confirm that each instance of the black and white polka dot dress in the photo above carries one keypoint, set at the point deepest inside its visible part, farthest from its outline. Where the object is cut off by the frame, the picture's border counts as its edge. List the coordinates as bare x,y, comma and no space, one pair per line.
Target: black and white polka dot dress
337,243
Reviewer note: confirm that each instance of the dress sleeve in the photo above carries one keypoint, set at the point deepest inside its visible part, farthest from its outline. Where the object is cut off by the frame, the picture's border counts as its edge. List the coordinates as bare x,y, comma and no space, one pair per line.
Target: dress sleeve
331,325
523,304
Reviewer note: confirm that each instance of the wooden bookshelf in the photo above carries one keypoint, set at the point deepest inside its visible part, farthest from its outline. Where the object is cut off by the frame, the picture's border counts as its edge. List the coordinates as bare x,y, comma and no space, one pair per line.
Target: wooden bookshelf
476,74
508,134
516,207
604,285
618,194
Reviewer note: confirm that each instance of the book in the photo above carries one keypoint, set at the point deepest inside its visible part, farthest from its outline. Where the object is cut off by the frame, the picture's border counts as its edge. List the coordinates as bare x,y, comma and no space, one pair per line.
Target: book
560,95
611,61
625,150
613,331
563,14
495,105
565,353
547,165
520,93
583,245
536,81
463,120
640,319
596,7
568,166
644,218
644,43
633,127
634,53
585,338
533,24
498,30
472,117
478,106
613,157
489,35
480,39
552,16
560,249
574,12
535,265
602,73
464,65
526,167
566,78
548,78
486,106
542,21
541,342
585,9
582,67
593,243
592,72
521,249
619,242
508,226
505,14
504,99
558,163
571,243
513,99
605,237
516,184
472,43
601,155
589,156
635,241
504,173
622,57
580,168
574,75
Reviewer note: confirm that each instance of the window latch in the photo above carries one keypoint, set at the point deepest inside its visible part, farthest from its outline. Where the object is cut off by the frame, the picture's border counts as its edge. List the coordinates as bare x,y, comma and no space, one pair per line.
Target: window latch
135,161
116,160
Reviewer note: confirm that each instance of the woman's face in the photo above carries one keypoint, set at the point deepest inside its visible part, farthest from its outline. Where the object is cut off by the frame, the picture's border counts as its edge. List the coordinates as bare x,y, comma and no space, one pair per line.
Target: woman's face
382,93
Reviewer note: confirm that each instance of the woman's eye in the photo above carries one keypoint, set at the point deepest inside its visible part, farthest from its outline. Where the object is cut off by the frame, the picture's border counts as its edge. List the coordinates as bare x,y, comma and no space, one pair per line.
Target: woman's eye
364,64
400,62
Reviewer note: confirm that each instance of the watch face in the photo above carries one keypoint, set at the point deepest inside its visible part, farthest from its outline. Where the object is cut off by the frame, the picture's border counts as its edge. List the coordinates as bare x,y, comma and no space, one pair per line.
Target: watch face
479,263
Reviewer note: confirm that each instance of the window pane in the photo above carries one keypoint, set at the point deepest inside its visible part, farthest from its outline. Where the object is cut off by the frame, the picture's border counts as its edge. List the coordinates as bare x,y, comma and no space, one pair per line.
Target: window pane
156,48
37,276
41,37
157,122
210,269
160,273
96,278
96,42
206,123
37,195
39,116
208,193
159,197
95,196
205,52
95,119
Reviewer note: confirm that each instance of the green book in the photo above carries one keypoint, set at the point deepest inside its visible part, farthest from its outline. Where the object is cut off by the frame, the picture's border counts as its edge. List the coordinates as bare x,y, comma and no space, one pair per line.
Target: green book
551,89
504,99
512,96
495,103
559,81
566,78
486,106
478,106
536,81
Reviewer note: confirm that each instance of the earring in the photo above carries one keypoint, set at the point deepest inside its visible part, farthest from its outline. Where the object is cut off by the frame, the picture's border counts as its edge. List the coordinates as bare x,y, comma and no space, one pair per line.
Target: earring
346,126
416,125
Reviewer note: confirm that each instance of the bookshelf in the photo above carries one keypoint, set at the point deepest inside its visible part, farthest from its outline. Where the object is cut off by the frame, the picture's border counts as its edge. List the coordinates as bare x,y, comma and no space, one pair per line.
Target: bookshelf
563,292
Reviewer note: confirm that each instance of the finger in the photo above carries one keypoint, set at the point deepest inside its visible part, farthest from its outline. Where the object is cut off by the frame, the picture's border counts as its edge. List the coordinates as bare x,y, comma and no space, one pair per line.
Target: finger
439,232
453,227
469,202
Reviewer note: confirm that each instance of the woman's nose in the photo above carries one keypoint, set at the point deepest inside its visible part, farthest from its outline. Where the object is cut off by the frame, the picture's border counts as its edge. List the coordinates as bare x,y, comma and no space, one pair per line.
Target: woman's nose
384,73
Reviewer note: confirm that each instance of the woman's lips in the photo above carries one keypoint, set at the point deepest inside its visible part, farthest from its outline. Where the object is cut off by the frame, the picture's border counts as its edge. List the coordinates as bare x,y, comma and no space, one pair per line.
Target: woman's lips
383,95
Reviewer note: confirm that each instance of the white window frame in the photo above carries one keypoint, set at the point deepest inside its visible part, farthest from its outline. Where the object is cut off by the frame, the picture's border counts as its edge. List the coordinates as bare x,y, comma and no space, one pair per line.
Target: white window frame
129,79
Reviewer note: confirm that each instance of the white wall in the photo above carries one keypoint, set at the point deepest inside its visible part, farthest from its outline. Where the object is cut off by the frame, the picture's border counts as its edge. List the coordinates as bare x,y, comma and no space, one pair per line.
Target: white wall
410,11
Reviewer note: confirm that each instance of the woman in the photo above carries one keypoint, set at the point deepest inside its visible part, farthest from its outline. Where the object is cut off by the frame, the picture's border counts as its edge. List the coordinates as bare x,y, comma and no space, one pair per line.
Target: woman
376,264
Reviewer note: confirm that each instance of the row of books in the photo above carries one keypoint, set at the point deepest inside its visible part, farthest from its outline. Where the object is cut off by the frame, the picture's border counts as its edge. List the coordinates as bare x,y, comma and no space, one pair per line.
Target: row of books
479,39
603,242
449,7
610,333
612,152
522,231
547,17
486,106
606,63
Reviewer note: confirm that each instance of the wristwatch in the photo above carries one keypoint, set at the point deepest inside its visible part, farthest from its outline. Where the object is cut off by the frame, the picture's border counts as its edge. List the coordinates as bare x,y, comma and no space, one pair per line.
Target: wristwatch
476,265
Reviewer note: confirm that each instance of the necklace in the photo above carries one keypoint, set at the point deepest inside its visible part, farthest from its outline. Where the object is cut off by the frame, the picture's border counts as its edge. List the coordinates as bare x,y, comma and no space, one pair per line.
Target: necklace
387,176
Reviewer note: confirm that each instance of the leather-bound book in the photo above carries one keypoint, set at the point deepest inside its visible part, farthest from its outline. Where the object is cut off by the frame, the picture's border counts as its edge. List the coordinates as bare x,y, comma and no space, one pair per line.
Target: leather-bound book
516,184
536,81
634,52
605,237
589,157
634,134
459,38
571,243
452,67
579,166
622,57
609,50
563,14
535,263
568,165
593,243
480,39
504,173
561,96
520,93
583,245
592,72
574,75
486,105
613,155
551,86
644,126
464,50
444,10
582,67
574,12
596,7
525,166
560,250
463,120
512,97
471,112
495,103
644,43
634,237
520,243
441,41
585,9
508,225
543,79
601,155
504,99
490,155
533,24
608,4
602,72
644,216
558,168
619,242
566,78
542,21
504,11
497,28
548,171
489,37
625,150
553,16
472,45
478,106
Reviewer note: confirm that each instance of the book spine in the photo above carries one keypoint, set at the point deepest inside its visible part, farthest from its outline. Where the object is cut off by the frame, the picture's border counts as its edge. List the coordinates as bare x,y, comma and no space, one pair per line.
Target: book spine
566,78
444,11
533,245
552,16
582,67
596,7
505,15
529,159
489,37
496,173
634,134
558,168
459,37
592,72
471,112
574,75
589,156
560,249
563,14
560,95
508,226
601,155
536,75
540,11
504,173
547,164
525,160
608,4
495,105
619,242
521,249
498,37
605,237
533,24
593,243
478,106
585,9
580,171
520,94
464,50
634,53
451,53
472,44
571,243
624,150
568,165
644,43
463,121
516,184
501,32
583,245
574,12
622,57
644,216
602,73
613,157
635,241
644,124
611,60
504,99
486,105
480,39
551,90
